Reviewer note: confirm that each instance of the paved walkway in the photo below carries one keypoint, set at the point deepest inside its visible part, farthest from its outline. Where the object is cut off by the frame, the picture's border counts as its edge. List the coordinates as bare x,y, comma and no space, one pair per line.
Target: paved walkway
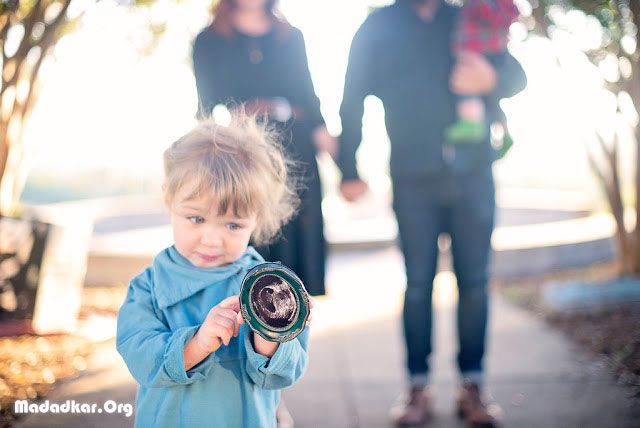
355,370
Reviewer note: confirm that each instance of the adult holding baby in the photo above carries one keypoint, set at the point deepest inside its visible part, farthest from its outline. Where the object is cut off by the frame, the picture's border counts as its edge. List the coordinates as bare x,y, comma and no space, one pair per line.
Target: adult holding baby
402,54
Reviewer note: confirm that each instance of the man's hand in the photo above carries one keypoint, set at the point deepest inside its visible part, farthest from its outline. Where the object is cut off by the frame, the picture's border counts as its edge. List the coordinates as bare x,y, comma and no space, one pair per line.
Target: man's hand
473,74
353,189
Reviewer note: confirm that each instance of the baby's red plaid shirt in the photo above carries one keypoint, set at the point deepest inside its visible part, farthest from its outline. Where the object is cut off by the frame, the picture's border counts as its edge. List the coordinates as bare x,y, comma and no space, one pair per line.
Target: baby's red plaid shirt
483,25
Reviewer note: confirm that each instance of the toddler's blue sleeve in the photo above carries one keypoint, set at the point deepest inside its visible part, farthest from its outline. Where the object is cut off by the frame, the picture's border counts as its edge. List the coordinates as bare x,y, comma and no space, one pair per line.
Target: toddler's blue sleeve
153,353
284,368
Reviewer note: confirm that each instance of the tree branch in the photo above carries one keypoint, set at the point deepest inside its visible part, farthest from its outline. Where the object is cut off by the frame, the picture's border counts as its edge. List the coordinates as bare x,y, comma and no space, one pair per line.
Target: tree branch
35,14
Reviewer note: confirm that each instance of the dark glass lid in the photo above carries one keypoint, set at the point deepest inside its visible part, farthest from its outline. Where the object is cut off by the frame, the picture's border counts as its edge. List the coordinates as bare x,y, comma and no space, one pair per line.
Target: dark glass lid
274,302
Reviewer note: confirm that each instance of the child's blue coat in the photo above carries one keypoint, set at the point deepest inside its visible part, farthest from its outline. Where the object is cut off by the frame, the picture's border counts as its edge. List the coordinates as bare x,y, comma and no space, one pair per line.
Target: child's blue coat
233,387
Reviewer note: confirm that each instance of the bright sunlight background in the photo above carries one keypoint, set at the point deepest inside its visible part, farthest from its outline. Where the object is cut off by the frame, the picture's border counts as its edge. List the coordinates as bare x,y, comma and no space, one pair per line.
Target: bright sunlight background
106,112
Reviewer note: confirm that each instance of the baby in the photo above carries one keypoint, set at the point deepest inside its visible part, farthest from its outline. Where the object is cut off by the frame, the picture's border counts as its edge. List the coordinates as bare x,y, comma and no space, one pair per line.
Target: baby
482,27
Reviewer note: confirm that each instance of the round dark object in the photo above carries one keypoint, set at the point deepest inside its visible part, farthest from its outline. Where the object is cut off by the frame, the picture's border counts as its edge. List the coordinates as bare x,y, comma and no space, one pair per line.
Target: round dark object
274,302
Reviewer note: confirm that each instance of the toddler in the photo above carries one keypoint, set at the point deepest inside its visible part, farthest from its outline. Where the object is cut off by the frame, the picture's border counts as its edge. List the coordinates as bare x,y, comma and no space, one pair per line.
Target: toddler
180,330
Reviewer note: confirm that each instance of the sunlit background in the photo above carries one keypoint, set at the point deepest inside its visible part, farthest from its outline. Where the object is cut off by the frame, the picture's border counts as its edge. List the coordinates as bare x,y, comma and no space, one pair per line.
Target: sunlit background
113,99
120,89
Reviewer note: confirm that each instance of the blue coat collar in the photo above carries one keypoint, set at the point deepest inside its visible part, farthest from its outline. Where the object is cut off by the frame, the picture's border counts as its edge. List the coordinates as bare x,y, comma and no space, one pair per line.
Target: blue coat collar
176,279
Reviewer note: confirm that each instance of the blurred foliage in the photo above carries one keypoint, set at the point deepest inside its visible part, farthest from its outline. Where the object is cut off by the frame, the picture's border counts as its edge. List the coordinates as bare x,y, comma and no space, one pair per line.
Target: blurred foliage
8,6
616,49
29,32
615,16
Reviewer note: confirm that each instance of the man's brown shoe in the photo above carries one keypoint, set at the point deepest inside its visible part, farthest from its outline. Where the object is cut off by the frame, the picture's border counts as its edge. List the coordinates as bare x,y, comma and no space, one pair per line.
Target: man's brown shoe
472,409
413,409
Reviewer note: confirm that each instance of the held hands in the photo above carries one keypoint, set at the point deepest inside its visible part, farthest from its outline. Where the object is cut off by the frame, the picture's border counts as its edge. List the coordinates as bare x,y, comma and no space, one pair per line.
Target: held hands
353,189
325,141
473,74
222,323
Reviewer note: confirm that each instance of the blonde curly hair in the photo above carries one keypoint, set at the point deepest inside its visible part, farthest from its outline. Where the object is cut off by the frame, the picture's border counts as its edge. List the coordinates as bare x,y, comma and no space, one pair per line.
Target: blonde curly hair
242,167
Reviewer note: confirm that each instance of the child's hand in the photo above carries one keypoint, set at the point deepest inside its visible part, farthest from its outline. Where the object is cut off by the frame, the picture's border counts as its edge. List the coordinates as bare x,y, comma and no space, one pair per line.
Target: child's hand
310,312
222,323
268,348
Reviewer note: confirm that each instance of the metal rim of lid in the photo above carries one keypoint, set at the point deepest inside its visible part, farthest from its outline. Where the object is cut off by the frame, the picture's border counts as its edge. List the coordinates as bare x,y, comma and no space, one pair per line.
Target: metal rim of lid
265,331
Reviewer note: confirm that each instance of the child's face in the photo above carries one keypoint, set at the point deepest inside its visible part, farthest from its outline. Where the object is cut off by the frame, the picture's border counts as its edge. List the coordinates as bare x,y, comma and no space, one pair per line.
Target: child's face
206,238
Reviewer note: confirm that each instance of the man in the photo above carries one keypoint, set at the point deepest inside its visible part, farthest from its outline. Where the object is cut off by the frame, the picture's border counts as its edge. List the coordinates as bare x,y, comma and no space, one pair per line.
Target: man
402,55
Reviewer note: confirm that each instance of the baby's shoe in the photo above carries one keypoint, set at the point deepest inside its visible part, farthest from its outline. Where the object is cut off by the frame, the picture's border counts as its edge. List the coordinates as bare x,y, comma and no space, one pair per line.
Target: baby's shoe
507,142
465,131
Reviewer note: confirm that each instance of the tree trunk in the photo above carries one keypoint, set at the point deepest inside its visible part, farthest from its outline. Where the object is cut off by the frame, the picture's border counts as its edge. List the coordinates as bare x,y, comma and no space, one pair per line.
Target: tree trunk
635,96
634,89
609,178
19,89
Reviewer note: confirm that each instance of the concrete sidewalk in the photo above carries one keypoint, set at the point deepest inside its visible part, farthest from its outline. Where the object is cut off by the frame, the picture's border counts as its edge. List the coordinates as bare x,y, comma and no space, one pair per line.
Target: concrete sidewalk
356,362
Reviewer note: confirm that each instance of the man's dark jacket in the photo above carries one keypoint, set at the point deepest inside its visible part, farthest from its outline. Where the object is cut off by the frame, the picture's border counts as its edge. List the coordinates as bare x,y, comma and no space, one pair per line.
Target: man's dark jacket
406,62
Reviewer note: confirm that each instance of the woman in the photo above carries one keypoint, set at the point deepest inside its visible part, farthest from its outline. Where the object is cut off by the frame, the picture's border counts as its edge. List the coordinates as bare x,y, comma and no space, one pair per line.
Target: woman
251,55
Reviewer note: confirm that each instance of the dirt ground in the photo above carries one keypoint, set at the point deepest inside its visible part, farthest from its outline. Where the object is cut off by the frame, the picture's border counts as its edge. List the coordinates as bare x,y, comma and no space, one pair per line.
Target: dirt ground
31,365
613,331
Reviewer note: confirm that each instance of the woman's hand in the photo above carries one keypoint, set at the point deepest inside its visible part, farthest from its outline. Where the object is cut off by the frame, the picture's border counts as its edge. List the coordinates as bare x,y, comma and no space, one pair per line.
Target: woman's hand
473,74
325,141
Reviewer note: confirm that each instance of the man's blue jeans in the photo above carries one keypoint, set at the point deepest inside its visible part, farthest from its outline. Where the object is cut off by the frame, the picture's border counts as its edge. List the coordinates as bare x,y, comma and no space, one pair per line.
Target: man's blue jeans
462,206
